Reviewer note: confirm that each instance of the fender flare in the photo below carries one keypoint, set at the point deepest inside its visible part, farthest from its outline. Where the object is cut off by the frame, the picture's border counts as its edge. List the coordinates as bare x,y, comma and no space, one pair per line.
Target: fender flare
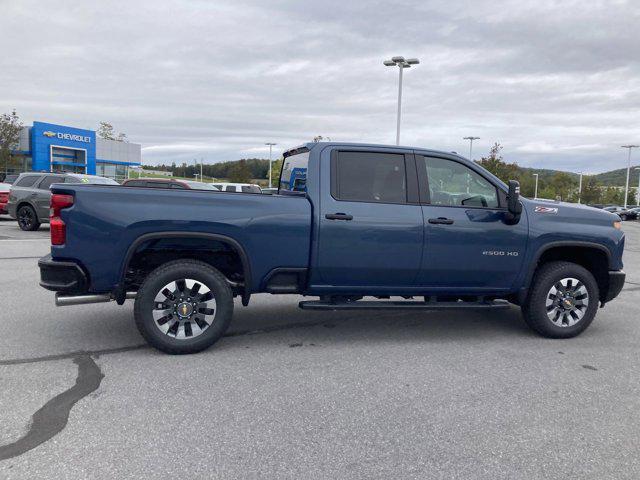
533,265
244,258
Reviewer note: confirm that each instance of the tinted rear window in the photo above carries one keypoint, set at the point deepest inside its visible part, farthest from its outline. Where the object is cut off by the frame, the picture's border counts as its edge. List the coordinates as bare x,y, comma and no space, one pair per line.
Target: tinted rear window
27,181
369,177
49,180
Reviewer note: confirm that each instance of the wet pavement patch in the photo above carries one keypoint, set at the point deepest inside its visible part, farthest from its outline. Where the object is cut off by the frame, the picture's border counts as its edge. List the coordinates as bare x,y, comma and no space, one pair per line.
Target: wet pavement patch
52,418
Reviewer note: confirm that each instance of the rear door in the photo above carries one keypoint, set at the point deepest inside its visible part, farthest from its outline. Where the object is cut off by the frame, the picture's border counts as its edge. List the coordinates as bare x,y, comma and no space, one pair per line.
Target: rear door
370,225
43,195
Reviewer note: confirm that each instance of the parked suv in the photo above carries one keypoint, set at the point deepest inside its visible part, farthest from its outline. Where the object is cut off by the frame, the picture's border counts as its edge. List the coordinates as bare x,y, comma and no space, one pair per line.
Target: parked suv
29,196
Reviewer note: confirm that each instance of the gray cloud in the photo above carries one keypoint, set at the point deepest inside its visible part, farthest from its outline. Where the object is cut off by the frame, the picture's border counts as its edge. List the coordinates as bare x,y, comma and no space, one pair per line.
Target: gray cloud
557,83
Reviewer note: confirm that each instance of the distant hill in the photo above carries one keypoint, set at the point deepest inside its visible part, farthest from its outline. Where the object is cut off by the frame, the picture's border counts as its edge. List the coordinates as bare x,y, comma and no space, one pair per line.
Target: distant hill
617,178
614,178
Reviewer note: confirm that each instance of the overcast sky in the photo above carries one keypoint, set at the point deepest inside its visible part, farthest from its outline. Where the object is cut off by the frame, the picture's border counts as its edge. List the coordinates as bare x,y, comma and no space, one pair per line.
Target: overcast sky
558,86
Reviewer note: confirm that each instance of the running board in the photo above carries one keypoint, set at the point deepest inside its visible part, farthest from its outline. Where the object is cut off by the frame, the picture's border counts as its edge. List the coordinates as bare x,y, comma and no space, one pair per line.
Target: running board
66,300
400,305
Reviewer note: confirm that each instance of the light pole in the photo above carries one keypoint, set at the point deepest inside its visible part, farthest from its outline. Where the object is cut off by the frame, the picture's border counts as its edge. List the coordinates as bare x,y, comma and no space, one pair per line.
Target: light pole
638,192
270,147
471,139
535,194
401,63
626,189
201,167
580,188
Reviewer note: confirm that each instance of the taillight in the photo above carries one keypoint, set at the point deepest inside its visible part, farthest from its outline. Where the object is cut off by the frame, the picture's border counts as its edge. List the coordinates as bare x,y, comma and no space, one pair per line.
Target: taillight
57,225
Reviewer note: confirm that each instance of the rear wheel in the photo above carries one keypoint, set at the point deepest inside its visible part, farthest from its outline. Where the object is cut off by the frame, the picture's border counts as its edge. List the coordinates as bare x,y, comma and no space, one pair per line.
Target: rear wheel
184,306
563,300
27,219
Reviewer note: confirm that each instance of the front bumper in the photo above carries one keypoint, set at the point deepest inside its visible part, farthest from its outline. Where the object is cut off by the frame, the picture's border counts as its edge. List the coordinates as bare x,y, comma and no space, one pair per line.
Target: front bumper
62,276
616,282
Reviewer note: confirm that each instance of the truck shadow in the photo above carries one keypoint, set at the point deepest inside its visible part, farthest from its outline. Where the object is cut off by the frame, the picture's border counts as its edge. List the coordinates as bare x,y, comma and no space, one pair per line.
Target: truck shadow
384,325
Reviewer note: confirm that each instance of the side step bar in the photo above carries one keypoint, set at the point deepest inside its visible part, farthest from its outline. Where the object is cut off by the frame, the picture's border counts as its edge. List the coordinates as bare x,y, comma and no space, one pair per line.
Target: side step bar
66,300
401,305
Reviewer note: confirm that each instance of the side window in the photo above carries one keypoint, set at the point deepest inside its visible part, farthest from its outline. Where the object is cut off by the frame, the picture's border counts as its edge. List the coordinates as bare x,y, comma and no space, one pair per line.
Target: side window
27,181
293,176
230,188
456,185
48,180
369,177
178,186
250,189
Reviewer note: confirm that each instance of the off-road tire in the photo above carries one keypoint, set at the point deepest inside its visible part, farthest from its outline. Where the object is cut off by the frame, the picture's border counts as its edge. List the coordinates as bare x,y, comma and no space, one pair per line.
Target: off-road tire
176,270
534,309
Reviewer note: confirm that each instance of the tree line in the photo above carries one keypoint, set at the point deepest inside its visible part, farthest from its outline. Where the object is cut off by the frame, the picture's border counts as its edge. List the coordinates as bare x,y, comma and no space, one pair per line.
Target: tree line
554,185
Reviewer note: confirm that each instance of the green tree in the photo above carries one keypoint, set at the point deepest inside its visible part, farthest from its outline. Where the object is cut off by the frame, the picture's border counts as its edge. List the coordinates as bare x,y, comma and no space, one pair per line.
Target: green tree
240,172
591,190
10,127
106,132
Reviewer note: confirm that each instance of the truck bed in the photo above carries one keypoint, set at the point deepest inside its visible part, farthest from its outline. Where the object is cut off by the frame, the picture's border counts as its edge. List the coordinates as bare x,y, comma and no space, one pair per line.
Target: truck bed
105,221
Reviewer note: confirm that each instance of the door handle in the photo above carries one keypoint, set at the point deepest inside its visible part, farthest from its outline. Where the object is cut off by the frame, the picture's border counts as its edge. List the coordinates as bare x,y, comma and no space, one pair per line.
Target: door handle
441,221
338,216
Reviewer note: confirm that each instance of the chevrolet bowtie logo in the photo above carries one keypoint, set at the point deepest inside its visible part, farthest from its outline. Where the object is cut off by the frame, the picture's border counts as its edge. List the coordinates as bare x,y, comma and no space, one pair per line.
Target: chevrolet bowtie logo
49,133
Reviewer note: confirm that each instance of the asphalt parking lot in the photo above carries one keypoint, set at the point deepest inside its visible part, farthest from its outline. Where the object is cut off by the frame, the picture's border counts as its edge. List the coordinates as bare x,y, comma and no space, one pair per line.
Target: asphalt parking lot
298,394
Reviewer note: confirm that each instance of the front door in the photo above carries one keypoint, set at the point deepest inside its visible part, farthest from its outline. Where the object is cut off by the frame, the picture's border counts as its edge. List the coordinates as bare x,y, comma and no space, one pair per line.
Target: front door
371,229
468,245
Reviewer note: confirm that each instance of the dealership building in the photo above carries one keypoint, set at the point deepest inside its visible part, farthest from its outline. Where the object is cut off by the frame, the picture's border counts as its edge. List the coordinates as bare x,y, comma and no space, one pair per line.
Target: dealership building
46,147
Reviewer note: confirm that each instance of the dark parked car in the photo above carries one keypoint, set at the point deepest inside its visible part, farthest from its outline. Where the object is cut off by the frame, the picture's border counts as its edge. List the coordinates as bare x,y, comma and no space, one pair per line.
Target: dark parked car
614,209
30,196
631,214
169,183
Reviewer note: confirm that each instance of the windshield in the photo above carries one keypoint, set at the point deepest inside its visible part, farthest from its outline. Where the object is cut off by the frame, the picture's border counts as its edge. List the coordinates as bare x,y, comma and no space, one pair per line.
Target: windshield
294,173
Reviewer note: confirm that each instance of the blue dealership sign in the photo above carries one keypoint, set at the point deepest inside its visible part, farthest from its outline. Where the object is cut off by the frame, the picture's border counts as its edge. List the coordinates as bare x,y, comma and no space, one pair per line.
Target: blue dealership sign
47,138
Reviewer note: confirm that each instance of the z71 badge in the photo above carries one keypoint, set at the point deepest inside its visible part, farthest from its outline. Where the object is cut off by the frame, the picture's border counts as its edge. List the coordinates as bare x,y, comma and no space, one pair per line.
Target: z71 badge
541,209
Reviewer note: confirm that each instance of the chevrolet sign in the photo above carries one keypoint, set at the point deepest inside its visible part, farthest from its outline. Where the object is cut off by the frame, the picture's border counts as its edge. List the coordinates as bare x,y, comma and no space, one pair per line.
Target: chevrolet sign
67,136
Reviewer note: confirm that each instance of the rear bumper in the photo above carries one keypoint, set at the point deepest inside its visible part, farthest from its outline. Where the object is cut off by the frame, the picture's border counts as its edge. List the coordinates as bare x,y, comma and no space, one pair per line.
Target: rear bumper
616,282
62,276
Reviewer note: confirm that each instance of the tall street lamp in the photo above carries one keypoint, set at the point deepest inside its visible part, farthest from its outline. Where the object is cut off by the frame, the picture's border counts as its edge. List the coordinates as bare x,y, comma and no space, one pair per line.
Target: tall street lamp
401,63
535,194
471,139
638,192
626,189
270,148
580,188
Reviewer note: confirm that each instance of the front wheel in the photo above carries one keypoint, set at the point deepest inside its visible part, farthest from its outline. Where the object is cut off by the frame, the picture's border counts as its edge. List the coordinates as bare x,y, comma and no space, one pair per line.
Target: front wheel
27,219
183,306
563,300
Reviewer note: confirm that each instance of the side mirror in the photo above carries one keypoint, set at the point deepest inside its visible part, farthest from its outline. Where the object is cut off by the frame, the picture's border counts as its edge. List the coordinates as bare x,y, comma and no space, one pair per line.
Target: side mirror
514,207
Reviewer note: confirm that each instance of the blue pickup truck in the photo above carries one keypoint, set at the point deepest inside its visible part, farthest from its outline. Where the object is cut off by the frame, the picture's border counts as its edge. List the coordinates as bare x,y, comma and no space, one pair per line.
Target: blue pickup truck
407,228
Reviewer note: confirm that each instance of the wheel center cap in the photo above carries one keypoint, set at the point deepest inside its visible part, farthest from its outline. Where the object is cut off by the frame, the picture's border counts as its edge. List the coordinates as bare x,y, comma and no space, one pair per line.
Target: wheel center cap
184,309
